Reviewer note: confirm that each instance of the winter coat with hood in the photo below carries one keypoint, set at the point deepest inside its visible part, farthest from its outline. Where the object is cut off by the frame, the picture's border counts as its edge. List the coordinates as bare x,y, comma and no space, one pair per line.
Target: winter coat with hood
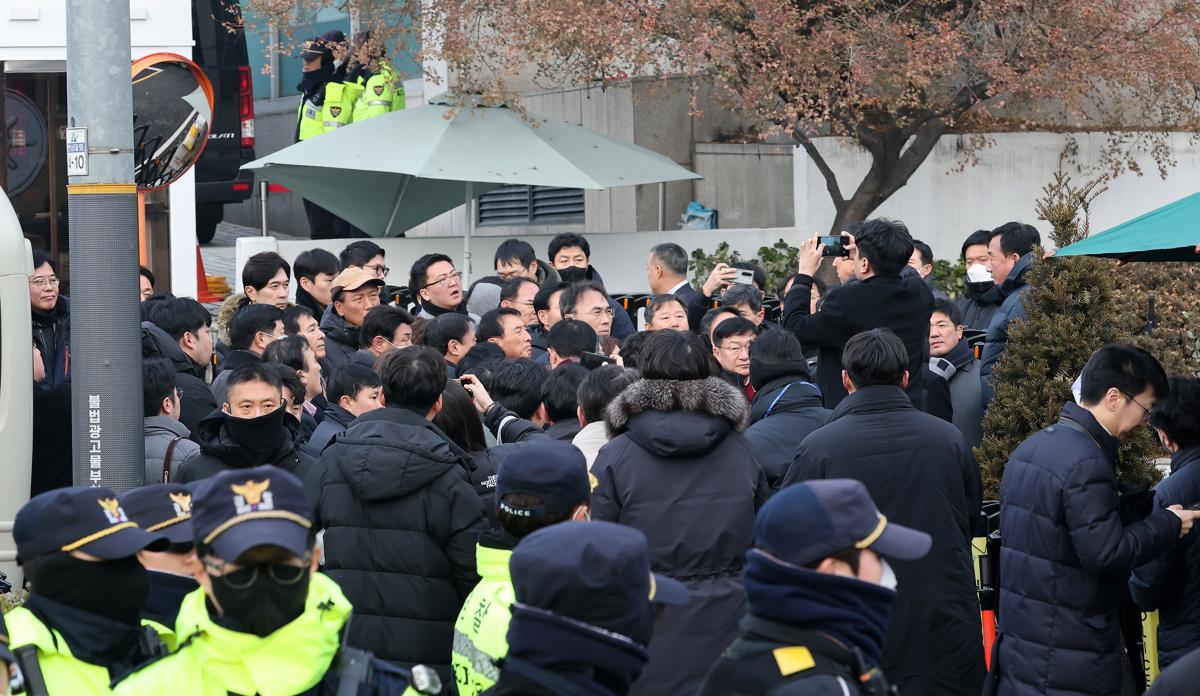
341,339
197,400
1166,584
52,334
680,470
401,522
922,475
1065,559
786,408
1013,289
160,432
268,440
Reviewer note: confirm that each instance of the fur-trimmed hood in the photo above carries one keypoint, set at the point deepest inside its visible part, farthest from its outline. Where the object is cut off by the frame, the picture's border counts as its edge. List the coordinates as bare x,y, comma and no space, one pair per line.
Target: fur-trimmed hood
678,418
225,315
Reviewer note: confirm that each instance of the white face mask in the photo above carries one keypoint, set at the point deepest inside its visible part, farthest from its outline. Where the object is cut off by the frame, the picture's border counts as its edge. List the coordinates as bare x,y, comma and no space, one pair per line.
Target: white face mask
978,273
889,576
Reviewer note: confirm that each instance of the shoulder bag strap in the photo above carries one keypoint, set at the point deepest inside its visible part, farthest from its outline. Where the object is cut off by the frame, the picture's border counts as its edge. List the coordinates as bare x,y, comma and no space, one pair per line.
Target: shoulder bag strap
166,467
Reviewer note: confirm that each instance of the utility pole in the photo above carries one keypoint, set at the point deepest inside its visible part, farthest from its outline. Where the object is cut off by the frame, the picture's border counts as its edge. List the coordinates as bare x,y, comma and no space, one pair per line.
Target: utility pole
106,355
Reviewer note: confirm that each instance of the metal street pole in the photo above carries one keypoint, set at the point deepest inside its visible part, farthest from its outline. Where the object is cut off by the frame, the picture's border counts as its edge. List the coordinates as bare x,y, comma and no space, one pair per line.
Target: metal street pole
106,355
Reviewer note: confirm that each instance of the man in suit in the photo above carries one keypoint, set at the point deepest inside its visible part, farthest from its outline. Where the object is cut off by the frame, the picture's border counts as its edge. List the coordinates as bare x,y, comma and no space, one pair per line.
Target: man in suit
666,271
883,298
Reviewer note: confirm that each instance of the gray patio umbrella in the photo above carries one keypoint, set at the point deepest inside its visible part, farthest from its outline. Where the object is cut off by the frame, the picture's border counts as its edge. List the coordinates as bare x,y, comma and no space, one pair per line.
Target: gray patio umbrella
396,171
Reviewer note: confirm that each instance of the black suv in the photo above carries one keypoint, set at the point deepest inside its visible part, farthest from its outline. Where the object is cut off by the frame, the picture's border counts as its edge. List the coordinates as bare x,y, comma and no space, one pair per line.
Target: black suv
221,52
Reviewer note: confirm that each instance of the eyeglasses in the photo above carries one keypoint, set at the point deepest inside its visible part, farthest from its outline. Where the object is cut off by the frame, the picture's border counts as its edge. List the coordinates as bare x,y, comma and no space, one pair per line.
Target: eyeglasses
735,349
43,282
1144,409
596,312
379,269
452,276
241,578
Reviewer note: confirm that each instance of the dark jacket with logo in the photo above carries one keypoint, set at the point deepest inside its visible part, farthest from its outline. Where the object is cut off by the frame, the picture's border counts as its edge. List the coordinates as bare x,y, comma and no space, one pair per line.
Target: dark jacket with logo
341,339
901,303
679,469
1167,584
197,400
784,412
220,452
750,665
1013,289
1065,560
52,334
921,475
401,521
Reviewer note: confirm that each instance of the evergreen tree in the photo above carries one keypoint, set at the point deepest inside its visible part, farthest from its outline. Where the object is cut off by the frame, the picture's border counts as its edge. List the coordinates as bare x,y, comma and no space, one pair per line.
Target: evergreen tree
1072,311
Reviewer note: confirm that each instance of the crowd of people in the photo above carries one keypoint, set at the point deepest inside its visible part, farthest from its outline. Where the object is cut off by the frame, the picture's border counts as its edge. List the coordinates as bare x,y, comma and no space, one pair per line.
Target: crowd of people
509,488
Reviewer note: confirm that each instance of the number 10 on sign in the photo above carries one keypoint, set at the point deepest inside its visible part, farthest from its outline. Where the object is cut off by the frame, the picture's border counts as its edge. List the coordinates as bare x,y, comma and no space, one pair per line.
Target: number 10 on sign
77,152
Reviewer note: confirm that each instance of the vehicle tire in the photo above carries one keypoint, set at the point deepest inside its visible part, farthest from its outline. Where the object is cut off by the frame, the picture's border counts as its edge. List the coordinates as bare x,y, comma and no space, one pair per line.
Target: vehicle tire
208,216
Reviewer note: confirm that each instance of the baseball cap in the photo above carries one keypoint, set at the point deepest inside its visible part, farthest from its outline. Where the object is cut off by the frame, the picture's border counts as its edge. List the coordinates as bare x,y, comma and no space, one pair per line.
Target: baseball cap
241,509
165,508
594,572
333,36
552,470
353,278
809,521
80,518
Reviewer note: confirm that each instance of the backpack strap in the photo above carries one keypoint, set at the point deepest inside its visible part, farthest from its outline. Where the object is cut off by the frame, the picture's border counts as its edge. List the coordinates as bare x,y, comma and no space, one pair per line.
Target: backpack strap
166,467
31,670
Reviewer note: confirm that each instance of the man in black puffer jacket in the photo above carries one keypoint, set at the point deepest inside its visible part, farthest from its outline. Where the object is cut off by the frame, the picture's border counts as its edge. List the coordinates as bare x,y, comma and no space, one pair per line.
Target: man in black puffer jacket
1066,550
787,405
401,518
1166,584
252,429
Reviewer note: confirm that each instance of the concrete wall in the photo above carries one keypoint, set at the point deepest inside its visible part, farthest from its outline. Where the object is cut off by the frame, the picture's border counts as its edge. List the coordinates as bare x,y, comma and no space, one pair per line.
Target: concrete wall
620,257
942,207
749,185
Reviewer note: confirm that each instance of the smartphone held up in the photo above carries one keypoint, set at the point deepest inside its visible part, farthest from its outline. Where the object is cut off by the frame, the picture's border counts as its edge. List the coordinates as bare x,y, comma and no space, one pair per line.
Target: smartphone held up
835,245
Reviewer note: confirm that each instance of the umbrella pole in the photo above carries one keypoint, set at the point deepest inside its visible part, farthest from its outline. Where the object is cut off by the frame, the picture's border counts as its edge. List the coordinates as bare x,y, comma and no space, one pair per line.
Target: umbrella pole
466,270
405,178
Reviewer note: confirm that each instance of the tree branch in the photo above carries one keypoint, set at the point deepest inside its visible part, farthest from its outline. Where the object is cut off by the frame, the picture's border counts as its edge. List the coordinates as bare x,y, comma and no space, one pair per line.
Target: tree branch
831,183
914,155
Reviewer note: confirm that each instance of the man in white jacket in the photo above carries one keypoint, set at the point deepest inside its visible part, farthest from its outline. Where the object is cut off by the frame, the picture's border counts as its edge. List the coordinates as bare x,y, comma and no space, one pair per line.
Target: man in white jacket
598,389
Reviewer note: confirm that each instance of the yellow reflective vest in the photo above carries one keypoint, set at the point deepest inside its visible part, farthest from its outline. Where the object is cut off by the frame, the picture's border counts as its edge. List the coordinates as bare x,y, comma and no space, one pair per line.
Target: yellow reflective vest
213,660
382,93
63,672
481,632
335,111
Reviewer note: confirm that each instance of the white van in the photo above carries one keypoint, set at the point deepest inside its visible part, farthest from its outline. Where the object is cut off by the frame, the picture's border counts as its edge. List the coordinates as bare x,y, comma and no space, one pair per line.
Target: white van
16,379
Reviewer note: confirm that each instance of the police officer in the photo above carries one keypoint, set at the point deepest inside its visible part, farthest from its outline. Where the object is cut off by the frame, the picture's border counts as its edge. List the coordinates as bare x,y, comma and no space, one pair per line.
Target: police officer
165,508
79,628
541,483
584,611
263,621
382,90
326,104
820,593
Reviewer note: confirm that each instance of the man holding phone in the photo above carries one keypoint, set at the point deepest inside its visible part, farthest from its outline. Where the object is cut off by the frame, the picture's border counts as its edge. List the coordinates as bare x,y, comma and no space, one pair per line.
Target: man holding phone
883,298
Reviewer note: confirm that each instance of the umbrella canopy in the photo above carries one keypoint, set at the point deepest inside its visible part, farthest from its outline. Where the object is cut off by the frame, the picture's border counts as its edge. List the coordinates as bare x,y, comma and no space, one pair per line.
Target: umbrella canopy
1169,233
396,171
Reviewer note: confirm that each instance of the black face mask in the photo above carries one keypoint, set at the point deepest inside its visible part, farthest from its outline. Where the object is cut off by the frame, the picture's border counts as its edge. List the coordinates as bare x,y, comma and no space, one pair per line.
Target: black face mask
259,438
265,604
116,590
573,274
